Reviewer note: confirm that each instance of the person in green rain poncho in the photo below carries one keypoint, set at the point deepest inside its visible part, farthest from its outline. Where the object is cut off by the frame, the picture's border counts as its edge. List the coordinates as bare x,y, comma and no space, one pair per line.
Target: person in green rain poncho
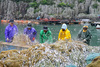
45,35
85,35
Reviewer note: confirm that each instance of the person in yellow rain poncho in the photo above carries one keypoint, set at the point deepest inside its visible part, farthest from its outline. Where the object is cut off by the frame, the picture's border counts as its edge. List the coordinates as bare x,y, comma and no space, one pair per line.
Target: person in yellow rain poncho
64,33
85,35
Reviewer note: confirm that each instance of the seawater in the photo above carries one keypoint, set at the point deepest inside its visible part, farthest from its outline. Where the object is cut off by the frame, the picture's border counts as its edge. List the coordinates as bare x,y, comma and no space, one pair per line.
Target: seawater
74,29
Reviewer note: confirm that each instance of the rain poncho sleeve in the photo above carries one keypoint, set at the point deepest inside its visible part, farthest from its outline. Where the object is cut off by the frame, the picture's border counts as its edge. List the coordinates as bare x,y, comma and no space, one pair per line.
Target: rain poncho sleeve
45,37
68,36
64,35
35,33
25,31
79,34
50,37
88,35
41,36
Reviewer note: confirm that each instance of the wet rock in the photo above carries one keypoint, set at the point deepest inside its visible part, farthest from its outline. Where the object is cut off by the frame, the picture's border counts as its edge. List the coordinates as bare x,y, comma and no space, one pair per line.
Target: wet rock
95,62
90,57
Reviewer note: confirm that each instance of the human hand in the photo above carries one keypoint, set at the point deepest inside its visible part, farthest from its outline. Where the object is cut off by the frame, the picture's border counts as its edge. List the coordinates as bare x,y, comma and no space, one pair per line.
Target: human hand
84,40
7,39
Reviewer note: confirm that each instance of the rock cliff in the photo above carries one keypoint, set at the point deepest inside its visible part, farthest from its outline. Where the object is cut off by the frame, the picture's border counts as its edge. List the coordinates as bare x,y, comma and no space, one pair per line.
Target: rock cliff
72,9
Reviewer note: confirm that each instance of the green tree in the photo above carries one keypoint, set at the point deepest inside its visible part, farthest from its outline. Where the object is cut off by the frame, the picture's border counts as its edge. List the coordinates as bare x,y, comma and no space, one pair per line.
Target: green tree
95,5
36,10
70,5
34,4
80,1
22,0
47,2
98,0
43,2
62,4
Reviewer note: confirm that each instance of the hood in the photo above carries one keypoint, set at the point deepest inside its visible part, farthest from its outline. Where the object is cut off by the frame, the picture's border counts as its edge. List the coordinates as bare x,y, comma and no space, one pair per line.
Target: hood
64,26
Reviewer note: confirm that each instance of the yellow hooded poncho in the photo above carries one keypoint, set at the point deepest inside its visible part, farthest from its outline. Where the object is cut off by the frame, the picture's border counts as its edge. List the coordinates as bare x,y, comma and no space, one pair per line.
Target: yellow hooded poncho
64,35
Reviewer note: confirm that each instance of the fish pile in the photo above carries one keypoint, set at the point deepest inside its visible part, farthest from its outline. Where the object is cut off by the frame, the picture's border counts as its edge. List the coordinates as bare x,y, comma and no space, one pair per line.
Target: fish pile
58,54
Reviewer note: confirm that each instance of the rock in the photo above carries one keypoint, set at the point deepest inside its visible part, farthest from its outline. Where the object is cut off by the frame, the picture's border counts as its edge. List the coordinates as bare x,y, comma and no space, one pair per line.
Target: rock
30,13
20,8
86,5
90,57
67,13
20,16
81,8
95,62
91,10
12,10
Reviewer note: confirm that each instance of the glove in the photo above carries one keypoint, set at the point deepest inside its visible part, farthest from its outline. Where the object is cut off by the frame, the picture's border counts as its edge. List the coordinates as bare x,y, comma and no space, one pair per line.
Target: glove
7,39
33,38
84,40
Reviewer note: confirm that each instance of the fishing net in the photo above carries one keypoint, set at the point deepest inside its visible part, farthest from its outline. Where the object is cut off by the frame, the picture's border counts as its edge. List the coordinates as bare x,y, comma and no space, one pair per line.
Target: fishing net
58,54
22,39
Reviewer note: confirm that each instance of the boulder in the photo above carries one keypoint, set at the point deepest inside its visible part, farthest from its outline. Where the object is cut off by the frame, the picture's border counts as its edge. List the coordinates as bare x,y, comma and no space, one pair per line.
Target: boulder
90,57
95,62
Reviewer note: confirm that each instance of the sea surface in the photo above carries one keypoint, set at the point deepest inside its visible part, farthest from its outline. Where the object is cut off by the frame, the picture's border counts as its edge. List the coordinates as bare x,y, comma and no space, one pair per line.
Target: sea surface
74,29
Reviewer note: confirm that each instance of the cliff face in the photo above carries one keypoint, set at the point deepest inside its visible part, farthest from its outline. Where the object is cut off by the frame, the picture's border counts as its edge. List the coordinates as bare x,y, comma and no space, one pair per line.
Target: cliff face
10,9
21,10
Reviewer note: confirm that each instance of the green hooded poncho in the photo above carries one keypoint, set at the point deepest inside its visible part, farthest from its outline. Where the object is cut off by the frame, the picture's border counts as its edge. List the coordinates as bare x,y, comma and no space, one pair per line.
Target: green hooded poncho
85,35
45,37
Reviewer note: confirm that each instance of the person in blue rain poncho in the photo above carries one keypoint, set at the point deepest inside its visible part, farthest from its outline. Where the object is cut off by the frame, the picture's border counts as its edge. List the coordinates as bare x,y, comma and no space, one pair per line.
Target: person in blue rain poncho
31,32
10,31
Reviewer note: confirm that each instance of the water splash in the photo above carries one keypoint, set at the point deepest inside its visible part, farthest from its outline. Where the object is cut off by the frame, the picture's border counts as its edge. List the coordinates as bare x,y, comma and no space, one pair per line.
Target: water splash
22,39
